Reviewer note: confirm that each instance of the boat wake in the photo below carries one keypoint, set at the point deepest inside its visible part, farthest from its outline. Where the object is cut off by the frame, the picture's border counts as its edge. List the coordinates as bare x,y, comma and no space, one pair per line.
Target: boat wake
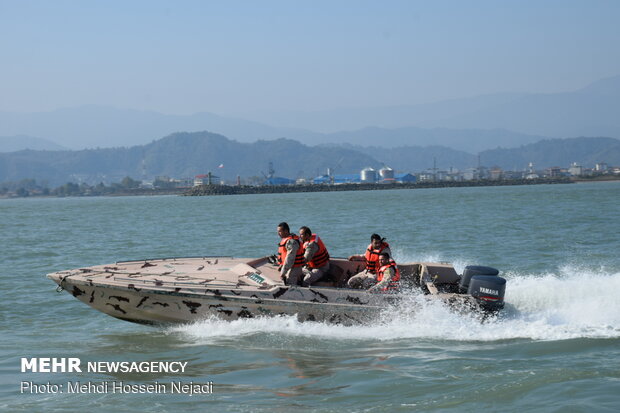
573,303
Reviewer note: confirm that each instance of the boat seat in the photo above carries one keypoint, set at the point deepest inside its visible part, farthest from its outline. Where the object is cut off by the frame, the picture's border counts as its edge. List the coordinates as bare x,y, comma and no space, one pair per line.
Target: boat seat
337,275
409,272
443,275
323,284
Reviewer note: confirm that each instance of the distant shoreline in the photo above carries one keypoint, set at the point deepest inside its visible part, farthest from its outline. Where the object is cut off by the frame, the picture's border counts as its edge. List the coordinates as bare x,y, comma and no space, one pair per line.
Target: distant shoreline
210,190
599,178
126,192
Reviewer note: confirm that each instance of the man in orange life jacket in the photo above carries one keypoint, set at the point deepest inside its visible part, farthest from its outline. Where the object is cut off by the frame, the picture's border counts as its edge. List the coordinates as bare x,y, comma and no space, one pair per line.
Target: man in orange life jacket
316,257
368,277
291,257
388,275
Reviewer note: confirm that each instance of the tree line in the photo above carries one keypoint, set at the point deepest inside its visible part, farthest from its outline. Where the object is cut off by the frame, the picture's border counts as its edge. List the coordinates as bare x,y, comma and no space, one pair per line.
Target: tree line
30,187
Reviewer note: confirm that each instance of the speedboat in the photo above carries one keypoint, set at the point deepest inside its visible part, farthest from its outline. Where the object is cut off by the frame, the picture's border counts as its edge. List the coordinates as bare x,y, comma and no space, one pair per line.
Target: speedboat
181,290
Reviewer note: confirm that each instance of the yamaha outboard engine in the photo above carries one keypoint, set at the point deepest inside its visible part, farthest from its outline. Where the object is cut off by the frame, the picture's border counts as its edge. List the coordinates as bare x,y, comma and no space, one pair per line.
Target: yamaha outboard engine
488,290
483,284
472,270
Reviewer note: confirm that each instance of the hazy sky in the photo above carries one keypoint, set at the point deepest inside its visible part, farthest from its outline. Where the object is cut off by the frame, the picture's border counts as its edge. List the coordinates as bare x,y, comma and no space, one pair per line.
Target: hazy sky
239,57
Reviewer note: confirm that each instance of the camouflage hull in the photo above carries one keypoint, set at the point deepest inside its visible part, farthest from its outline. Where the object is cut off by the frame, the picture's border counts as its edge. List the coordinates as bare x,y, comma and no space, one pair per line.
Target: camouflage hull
180,290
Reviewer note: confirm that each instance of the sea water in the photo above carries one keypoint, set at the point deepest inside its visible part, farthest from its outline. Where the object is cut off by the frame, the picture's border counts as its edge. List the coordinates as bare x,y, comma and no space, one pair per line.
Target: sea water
555,347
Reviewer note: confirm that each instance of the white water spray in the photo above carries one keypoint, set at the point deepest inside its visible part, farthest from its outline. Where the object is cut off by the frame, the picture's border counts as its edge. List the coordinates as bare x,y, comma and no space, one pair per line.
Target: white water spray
572,304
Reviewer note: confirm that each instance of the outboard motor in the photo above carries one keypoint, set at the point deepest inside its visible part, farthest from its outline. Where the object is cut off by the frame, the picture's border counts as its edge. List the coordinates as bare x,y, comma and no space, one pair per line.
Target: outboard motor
488,290
472,270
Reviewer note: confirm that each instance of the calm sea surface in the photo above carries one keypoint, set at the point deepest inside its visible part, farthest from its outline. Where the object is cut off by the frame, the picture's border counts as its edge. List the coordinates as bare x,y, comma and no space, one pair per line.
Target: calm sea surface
555,348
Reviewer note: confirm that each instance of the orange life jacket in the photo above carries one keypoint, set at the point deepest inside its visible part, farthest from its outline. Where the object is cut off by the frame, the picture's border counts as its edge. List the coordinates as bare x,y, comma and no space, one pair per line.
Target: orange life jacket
394,282
299,257
321,257
372,257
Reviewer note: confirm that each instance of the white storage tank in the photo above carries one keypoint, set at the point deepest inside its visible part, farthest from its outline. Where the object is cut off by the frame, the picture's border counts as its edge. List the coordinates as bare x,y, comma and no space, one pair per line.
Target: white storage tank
369,175
386,173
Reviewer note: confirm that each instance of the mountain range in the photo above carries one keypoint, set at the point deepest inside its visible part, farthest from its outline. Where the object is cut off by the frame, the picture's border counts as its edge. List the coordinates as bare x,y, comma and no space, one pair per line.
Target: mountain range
104,127
471,124
589,111
182,155
21,142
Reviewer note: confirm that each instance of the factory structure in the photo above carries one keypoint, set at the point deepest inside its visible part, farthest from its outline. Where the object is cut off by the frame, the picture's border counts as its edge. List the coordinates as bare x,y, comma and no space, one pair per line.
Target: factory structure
386,175
366,175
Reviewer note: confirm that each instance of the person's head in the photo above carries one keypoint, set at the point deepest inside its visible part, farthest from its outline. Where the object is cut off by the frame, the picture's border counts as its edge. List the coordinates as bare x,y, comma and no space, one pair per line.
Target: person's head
384,258
283,230
305,234
376,240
